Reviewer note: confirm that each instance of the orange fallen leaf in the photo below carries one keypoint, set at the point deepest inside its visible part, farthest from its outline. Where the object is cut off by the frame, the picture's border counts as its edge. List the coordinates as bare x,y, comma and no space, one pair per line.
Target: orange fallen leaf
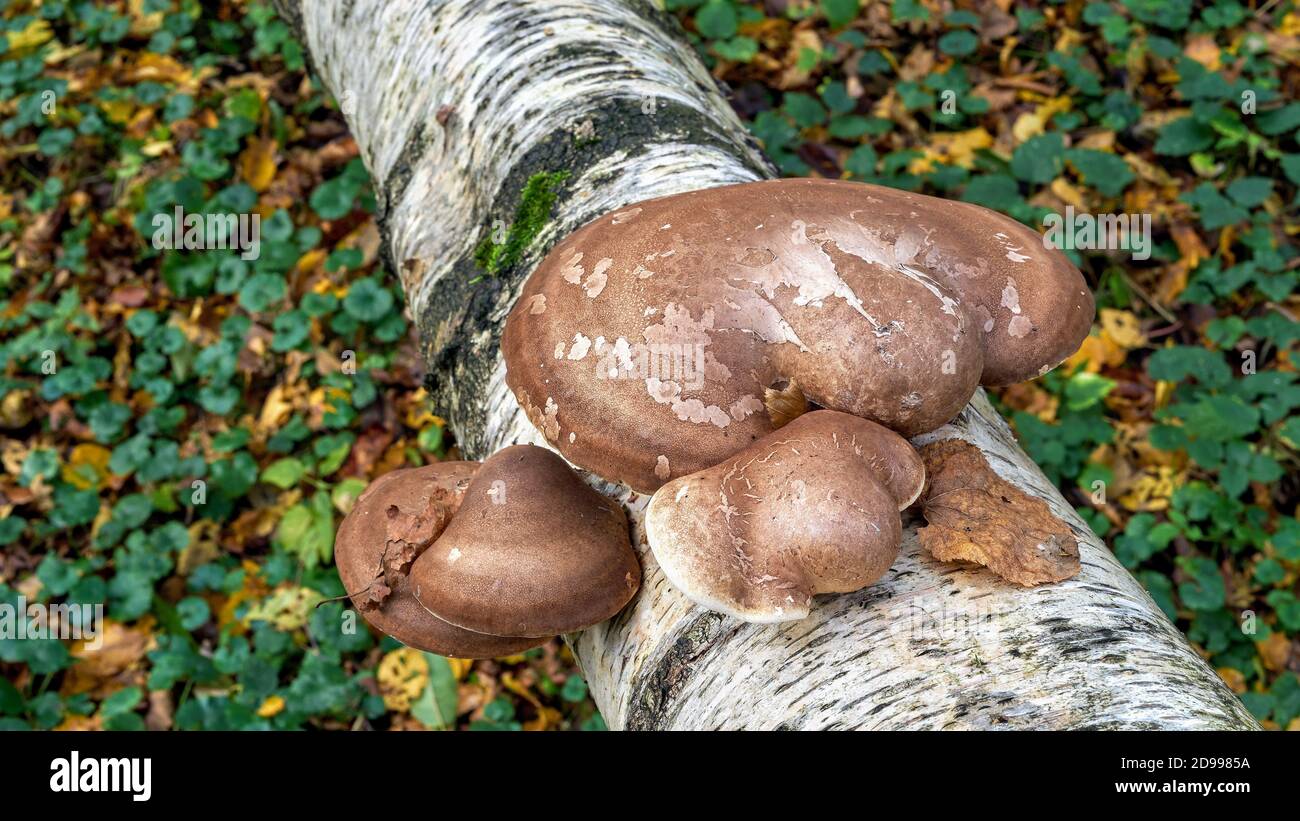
1030,398
271,707
1203,50
1275,651
1190,245
76,723
101,660
1233,678
974,515
257,164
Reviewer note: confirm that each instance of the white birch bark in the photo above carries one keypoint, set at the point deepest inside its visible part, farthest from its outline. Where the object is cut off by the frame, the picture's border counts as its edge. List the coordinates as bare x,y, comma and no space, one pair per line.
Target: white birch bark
455,105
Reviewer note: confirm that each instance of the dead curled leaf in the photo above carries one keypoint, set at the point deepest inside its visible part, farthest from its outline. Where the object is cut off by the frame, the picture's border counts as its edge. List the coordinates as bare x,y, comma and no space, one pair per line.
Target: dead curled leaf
976,516
785,404
408,534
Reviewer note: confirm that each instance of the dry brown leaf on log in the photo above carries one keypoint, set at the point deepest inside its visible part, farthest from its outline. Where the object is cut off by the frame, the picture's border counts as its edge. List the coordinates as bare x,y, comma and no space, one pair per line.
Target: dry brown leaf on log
976,516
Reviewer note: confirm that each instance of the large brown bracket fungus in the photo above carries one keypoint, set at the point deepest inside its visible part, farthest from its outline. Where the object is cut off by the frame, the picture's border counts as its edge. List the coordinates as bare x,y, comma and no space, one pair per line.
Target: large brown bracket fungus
477,561
644,345
810,508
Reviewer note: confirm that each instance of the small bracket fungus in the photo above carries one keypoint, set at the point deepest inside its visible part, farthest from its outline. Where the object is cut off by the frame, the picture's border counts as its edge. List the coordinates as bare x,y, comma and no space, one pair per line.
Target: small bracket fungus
645,345
477,561
532,551
811,508
396,518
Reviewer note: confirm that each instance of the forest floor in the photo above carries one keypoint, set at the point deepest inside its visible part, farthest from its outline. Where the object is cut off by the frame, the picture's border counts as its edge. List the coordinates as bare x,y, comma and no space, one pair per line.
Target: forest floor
132,372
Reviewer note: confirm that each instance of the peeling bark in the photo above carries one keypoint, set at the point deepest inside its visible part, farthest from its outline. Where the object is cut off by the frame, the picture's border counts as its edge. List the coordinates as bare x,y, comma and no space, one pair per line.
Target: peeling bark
456,105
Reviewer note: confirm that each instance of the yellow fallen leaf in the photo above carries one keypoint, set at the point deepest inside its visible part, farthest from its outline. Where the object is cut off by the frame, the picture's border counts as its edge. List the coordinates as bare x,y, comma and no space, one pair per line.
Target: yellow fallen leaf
1033,123
76,723
419,417
1233,678
144,23
159,68
36,32
253,588
1068,39
547,717
273,706
288,608
1122,328
460,667
1067,193
275,410
402,677
1097,351
1172,281
1204,50
1151,491
1099,140
309,262
1030,398
952,148
59,53
1191,248
203,546
16,409
30,587
116,649
117,111
257,164
157,148
1164,391
87,466
1290,25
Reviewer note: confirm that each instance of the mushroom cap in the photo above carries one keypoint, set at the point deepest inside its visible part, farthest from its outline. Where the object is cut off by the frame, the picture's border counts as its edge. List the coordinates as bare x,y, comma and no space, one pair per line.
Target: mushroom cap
359,549
533,551
1031,303
811,508
643,344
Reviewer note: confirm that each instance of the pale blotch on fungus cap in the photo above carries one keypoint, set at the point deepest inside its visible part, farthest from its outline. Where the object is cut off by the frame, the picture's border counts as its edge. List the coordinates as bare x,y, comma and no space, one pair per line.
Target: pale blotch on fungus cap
1031,303
425,498
643,345
533,551
810,508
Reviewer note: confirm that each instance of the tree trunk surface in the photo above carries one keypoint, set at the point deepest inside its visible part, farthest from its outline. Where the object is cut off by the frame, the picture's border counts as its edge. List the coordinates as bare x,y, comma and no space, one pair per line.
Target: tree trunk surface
456,105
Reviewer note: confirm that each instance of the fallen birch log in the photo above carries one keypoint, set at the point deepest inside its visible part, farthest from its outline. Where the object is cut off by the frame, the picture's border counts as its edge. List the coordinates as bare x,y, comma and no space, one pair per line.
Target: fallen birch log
520,120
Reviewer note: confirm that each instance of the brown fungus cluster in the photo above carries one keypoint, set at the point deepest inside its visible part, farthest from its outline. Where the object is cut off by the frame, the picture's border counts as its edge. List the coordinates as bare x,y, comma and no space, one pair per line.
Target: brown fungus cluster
750,354
644,345
476,561
669,345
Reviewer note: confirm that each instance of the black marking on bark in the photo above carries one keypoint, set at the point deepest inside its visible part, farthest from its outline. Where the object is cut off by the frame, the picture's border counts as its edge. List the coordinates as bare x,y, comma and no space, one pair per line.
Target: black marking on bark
394,188
654,694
